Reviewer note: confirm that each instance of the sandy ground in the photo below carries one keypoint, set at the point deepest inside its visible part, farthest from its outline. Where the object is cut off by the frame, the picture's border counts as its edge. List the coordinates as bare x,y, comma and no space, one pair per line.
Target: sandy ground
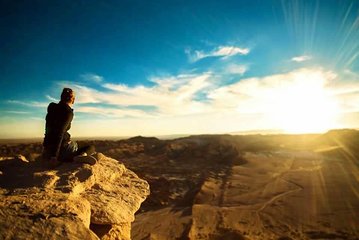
276,195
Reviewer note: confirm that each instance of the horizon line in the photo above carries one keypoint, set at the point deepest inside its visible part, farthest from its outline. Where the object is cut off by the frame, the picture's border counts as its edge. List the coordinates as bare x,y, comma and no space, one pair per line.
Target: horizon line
173,136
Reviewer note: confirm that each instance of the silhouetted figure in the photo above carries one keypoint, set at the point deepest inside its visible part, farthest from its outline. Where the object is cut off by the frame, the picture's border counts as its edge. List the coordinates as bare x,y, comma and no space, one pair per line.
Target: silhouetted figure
58,145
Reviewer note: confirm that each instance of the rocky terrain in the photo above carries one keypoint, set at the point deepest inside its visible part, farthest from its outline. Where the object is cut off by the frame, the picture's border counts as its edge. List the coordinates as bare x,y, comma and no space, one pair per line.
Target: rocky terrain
70,201
241,187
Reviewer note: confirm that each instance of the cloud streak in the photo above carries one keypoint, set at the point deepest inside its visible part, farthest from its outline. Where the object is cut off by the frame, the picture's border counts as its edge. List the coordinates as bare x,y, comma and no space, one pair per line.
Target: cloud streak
17,112
29,103
112,112
223,52
92,77
302,58
51,98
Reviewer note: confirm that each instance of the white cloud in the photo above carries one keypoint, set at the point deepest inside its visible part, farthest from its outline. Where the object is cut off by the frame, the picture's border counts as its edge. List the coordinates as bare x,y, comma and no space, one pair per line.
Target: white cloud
178,95
257,95
92,77
227,51
236,69
170,96
301,58
173,95
194,103
317,97
221,51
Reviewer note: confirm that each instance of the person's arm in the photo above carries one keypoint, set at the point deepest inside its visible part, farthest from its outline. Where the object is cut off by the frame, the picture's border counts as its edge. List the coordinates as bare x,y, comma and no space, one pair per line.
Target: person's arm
62,130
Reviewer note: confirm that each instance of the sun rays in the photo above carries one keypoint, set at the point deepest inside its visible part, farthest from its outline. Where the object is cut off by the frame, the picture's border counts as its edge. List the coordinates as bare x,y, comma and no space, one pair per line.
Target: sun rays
304,105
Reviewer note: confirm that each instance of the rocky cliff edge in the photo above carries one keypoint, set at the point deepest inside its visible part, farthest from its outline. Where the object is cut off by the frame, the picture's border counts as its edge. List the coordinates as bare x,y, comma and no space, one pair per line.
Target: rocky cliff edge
71,201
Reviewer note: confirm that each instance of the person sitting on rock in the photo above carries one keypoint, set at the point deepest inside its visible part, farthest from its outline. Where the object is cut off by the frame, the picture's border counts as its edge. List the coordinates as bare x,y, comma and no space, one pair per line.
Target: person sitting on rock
58,146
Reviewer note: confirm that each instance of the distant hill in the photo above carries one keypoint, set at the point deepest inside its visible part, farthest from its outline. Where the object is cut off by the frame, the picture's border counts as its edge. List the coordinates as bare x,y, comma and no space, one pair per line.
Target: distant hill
345,139
342,142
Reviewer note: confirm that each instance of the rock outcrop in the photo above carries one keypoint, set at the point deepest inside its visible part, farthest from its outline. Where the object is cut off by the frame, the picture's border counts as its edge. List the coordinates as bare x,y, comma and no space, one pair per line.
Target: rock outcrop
71,201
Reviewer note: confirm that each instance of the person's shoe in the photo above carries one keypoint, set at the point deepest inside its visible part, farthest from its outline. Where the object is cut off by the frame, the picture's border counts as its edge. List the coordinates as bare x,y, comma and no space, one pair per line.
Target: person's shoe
85,159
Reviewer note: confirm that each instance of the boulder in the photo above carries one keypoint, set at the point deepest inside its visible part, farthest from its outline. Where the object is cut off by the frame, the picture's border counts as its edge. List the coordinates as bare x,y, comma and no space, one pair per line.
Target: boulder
71,201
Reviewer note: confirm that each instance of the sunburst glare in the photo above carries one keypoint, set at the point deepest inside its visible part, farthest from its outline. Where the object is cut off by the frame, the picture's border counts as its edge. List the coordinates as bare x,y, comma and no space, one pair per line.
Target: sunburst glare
304,105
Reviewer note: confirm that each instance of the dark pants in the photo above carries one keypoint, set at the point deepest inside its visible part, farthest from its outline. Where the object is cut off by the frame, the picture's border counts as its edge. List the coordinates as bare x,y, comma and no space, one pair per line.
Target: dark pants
70,150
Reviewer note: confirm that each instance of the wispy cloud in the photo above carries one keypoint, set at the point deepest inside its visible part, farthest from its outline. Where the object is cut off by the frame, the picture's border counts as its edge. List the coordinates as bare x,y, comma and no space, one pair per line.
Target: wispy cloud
92,77
347,91
83,93
172,95
236,69
113,112
51,98
39,119
17,112
302,58
221,51
29,103
169,96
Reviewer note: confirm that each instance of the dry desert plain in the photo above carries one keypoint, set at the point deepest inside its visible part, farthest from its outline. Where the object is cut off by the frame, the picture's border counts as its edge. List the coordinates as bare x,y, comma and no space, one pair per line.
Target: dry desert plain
240,187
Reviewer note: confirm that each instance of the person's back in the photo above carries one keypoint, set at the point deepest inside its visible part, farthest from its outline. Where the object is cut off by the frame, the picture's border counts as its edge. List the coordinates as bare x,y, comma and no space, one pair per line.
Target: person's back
57,143
58,122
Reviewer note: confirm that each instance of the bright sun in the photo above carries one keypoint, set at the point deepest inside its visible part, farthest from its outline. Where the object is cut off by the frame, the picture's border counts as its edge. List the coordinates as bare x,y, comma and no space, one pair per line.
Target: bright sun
303,105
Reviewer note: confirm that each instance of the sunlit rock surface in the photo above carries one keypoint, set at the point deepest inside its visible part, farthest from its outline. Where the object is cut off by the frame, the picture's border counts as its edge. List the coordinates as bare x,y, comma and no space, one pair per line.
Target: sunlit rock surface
71,201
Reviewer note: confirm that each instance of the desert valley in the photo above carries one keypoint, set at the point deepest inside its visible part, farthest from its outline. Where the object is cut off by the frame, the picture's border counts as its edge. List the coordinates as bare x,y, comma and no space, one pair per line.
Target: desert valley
236,187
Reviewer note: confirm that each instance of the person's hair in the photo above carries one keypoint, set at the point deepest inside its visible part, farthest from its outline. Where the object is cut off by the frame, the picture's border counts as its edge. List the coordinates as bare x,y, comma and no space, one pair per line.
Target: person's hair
67,95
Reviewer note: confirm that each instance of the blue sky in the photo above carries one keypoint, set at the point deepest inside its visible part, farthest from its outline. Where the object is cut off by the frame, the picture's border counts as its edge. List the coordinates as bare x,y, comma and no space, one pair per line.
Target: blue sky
170,67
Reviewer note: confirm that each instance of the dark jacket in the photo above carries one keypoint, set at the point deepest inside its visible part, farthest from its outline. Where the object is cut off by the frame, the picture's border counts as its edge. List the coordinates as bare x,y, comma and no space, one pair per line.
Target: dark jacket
58,122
